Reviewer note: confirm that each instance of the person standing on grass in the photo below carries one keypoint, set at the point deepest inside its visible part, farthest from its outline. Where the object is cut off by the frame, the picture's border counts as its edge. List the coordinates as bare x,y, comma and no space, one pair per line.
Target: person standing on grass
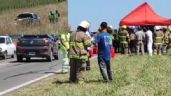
149,36
158,40
56,15
124,39
166,40
140,37
89,48
79,42
51,17
64,46
104,56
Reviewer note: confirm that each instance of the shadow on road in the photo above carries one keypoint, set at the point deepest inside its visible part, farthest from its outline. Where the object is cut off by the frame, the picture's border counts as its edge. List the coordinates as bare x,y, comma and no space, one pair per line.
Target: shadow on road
25,73
43,71
31,61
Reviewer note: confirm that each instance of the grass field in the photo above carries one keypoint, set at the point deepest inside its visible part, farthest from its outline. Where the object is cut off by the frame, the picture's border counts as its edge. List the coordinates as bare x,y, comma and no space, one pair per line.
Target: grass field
8,26
133,76
17,4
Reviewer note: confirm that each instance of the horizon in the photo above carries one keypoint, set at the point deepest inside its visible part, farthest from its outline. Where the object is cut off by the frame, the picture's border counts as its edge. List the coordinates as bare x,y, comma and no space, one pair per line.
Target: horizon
96,14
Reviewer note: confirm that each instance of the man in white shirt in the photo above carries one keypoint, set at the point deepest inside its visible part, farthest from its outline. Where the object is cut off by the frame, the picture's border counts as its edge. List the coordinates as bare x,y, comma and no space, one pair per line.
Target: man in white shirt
149,35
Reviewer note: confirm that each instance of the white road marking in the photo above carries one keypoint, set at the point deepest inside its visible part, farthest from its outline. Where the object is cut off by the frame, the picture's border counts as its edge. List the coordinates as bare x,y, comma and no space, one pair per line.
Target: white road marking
32,81
27,83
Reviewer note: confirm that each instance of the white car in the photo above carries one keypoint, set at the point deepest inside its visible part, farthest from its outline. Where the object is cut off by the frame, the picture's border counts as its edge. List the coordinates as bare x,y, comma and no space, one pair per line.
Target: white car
7,47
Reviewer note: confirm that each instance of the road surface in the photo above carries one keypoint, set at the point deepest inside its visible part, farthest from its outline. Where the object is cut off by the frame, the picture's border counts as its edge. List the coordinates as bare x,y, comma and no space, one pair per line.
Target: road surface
14,73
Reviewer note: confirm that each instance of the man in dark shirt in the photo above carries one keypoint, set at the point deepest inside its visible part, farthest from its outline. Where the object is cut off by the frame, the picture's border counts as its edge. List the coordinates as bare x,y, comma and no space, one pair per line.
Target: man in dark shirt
104,56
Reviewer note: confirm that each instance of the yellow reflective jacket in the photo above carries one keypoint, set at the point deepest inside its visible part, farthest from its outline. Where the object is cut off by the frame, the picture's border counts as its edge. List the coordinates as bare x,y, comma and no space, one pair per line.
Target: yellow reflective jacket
65,38
79,42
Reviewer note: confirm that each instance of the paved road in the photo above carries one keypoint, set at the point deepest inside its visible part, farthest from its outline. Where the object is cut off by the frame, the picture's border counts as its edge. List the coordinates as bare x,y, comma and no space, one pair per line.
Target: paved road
14,73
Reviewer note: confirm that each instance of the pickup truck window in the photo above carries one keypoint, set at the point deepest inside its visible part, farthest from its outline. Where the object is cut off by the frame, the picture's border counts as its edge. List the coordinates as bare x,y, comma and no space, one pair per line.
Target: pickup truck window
25,16
2,40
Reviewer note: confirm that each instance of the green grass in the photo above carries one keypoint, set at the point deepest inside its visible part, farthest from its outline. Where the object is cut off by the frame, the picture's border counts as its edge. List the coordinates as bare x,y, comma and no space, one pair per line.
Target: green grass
133,76
16,4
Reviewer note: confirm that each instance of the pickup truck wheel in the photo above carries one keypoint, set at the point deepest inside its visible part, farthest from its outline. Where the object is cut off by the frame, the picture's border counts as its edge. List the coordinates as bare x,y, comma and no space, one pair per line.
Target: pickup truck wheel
56,57
12,56
49,58
28,59
19,58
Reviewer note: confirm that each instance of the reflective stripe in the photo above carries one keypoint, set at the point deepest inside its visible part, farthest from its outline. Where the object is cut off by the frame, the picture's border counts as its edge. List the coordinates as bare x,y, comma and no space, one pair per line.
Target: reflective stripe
87,42
122,36
124,42
122,39
74,56
158,40
157,43
80,45
158,37
85,57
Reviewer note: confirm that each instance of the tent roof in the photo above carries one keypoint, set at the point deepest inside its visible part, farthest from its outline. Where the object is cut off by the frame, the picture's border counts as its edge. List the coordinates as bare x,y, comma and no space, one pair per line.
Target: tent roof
144,15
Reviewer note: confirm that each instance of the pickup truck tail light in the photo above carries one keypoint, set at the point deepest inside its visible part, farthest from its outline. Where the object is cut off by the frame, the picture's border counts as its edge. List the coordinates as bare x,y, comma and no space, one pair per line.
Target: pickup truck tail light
18,43
20,50
45,42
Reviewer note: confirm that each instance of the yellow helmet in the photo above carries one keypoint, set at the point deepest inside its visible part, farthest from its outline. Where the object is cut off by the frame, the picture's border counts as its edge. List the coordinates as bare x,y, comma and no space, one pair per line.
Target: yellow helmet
124,26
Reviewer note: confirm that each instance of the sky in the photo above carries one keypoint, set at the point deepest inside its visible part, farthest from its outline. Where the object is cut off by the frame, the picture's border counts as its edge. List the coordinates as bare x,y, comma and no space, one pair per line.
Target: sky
110,11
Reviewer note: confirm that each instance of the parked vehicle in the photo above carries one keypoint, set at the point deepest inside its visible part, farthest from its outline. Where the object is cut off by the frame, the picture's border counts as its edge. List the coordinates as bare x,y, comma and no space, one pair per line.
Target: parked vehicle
7,47
27,18
36,46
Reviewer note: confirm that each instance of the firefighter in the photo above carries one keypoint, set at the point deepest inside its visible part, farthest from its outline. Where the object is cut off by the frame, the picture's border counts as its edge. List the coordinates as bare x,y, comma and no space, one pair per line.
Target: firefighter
169,44
56,16
51,17
158,40
132,43
88,49
124,39
166,40
64,46
116,42
78,54
140,37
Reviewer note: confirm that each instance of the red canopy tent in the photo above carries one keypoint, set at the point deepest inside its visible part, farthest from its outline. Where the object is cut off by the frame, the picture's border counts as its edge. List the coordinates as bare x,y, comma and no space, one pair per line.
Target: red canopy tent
144,15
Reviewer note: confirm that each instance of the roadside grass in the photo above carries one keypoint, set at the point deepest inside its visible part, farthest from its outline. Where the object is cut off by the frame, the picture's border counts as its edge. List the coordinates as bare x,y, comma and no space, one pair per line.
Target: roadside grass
133,76
11,4
9,26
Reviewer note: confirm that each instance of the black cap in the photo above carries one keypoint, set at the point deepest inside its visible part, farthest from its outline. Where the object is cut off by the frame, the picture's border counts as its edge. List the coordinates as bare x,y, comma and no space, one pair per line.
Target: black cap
103,25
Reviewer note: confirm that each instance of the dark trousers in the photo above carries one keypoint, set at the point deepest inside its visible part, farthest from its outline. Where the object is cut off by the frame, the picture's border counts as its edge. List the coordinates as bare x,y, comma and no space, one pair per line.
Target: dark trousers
105,69
132,46
116,45
124,48
77,68
88,64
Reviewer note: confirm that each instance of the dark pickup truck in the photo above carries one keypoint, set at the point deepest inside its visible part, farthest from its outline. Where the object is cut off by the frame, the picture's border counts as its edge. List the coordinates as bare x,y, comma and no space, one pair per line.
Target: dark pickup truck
44,46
